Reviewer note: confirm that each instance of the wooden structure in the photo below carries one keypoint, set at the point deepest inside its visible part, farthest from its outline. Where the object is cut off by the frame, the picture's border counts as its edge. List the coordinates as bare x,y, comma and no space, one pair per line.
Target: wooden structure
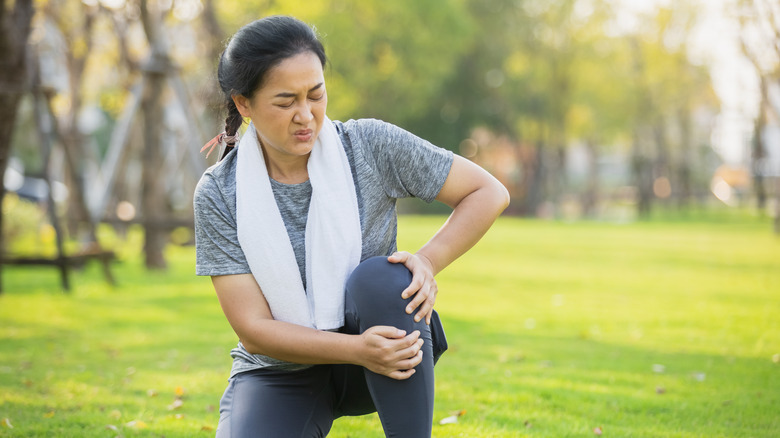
47,131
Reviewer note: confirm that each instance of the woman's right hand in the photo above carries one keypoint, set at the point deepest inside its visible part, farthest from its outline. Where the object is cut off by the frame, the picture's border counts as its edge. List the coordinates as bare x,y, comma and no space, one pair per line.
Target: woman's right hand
390,352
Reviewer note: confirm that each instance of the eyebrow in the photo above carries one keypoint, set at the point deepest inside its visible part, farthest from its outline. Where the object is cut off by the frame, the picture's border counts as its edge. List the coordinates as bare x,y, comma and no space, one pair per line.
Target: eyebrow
316,87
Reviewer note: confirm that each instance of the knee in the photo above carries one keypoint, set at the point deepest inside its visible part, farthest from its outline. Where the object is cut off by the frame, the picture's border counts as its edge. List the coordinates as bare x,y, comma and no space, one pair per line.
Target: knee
378,282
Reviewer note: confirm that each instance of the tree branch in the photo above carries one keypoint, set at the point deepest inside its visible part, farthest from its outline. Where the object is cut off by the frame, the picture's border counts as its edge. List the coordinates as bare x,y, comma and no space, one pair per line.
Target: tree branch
147,21
22,17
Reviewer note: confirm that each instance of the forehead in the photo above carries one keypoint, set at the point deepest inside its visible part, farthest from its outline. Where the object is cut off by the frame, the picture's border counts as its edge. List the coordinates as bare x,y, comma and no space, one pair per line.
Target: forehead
300,72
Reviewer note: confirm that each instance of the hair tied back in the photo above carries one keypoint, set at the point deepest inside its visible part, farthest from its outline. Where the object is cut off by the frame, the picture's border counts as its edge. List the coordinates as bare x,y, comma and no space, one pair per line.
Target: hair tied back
221,138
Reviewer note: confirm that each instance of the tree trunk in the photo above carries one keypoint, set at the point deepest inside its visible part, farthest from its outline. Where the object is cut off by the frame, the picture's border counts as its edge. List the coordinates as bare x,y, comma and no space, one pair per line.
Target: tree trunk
590,196
684,173
641,167
153,195
14,30
153,192
534,176
662,165
758,149
777,205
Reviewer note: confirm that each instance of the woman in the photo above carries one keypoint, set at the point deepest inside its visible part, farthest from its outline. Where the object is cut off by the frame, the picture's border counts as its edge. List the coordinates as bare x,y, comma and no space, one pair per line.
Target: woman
296,226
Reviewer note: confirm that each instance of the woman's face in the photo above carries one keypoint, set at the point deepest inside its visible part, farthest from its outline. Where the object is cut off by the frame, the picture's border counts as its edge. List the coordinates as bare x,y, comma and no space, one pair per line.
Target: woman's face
288,109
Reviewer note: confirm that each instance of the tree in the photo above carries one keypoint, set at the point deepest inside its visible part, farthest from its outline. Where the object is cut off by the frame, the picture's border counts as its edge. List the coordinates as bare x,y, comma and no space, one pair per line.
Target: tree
760,43
15,21
667,89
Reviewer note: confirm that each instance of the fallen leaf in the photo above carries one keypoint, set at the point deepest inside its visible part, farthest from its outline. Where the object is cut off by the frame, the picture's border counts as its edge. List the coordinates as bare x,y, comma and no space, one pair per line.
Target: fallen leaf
527,424
151,393
598,430
660,390
136,424
452,419
48,414
6,423
176,404
207,428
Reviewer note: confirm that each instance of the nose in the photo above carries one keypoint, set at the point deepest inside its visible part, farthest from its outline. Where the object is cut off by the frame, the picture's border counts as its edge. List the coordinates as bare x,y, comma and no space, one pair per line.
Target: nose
304,114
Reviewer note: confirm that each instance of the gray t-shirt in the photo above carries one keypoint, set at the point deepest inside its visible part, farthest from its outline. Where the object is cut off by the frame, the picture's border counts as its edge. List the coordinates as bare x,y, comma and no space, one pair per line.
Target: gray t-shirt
387,163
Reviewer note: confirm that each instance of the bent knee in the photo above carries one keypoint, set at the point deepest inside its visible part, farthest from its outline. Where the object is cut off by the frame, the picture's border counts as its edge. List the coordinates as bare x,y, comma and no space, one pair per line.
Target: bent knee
379,282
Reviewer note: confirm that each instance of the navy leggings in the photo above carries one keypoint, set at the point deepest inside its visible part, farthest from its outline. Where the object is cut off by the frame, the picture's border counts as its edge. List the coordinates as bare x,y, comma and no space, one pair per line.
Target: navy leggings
286,404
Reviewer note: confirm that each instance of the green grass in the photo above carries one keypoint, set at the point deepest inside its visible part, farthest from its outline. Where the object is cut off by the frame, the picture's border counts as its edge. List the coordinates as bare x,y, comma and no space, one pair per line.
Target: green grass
657,329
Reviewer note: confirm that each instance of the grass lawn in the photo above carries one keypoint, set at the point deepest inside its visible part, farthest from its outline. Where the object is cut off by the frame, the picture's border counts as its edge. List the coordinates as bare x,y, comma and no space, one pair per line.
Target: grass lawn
660,329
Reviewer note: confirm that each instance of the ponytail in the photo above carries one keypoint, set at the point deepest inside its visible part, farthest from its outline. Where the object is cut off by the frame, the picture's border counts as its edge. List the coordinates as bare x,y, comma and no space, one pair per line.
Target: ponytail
233,122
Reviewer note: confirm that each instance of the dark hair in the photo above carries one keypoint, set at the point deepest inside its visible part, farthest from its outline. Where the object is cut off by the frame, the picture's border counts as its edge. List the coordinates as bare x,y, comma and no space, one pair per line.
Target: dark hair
254,50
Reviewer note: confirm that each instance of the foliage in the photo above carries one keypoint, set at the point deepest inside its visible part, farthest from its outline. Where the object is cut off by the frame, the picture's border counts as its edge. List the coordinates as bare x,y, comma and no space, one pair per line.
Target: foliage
658,329
544,75
387,59
23,223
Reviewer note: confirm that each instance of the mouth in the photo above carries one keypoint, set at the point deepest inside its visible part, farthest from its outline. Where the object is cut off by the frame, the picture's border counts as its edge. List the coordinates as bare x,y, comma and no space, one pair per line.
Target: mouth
303,134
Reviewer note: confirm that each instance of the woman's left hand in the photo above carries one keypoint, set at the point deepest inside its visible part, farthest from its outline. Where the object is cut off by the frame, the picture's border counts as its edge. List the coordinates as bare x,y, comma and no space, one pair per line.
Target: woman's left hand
423,285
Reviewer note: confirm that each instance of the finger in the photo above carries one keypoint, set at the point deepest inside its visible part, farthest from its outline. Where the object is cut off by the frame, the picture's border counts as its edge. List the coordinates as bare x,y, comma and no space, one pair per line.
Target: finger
409,363
401,374
426,309
389,332
418,279
411,338
411,351
399,257
413,362
417,282
418,299
404,349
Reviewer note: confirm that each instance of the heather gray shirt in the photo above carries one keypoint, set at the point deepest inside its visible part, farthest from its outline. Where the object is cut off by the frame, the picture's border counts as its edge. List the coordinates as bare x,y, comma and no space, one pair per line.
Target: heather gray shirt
387,163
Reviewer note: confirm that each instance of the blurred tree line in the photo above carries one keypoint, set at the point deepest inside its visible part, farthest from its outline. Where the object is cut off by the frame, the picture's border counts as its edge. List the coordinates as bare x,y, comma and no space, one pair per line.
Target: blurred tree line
571,109
760,43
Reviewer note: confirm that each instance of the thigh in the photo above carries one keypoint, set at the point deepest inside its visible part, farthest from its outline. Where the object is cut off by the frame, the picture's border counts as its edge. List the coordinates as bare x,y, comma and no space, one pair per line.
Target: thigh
350,390
277,404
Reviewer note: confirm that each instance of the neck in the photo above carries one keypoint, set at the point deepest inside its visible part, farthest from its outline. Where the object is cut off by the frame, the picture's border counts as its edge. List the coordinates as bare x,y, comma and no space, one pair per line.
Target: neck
287,169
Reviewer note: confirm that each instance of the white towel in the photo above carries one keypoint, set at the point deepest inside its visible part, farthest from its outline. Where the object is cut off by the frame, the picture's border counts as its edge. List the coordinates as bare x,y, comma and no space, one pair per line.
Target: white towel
333,236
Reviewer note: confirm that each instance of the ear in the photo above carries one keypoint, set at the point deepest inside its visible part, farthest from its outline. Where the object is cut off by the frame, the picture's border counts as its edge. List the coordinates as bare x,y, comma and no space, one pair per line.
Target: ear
243,105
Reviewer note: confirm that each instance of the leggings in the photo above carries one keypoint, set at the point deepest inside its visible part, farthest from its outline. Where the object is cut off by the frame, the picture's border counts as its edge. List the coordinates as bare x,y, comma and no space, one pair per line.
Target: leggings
296,404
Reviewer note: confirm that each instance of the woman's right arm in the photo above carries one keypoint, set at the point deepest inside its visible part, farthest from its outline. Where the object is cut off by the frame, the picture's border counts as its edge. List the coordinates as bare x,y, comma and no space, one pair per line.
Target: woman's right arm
382,349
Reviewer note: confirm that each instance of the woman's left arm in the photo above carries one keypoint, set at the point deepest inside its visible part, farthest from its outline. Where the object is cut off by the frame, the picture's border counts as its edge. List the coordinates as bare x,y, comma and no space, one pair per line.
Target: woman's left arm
476,199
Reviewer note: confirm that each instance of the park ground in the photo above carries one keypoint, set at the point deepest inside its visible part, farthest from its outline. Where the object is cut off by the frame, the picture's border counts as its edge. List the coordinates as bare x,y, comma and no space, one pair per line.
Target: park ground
665,328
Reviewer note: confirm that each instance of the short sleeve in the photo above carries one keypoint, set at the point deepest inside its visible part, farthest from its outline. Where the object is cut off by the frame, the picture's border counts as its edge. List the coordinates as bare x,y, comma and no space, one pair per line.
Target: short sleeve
406,164
217,250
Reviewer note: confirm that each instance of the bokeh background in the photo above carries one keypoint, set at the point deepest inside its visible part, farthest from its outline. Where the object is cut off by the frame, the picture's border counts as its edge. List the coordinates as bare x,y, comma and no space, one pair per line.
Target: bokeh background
590,109
631,286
